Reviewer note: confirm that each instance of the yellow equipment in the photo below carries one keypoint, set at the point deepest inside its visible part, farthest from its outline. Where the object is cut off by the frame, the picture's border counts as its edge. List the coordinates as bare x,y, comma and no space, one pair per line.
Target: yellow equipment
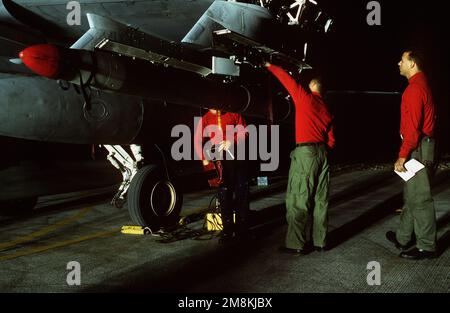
213,221
136,230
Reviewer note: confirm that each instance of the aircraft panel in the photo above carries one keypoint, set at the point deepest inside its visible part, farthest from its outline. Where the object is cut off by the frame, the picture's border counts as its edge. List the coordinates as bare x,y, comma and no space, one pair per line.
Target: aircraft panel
171,20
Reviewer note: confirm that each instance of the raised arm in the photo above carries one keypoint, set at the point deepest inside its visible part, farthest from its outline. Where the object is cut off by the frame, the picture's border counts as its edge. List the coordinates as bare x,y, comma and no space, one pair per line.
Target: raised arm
295,90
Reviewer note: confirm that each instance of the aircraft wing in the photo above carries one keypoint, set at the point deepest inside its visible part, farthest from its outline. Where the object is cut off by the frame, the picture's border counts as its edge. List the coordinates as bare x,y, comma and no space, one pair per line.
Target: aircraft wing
108,35
118,57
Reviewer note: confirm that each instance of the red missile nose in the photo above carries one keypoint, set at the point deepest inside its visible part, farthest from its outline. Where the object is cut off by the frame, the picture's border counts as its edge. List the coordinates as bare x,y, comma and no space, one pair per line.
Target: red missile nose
44,60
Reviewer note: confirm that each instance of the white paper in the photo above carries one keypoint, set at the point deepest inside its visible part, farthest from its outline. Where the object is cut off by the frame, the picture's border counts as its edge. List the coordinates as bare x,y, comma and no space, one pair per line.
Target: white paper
412,167
406,175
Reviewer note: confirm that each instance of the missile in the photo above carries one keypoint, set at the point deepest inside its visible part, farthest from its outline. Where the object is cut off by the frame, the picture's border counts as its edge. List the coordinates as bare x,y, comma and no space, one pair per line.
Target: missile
113,72
44,60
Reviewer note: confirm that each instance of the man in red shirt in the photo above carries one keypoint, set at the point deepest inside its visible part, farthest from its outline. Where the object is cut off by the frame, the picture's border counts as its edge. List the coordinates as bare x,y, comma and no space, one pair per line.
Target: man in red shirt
308,182
416,130
213,125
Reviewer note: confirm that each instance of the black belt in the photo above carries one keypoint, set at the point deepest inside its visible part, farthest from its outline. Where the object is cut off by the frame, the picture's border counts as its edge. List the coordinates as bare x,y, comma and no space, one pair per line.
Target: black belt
304,144
427,138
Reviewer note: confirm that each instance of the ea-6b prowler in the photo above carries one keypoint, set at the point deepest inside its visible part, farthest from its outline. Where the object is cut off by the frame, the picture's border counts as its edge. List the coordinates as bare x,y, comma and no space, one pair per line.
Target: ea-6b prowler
127,54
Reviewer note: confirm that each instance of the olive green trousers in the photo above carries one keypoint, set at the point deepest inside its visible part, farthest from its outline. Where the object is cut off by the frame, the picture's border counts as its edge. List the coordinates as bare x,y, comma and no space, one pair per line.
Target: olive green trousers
418,216
307,192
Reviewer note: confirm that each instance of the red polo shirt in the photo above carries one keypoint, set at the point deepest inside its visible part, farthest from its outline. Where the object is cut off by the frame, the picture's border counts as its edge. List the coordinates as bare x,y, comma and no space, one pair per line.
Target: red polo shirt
313,121
233,119
417,114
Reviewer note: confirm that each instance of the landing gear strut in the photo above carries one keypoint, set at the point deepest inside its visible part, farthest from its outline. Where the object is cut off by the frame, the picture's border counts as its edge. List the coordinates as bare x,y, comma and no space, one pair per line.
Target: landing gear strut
127,165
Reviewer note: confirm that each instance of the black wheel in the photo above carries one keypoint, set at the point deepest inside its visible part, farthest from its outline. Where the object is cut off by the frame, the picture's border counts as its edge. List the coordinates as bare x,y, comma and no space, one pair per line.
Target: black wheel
153,200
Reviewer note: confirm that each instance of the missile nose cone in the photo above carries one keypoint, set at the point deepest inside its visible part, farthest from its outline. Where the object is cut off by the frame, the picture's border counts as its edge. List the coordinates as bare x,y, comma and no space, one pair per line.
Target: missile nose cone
43,59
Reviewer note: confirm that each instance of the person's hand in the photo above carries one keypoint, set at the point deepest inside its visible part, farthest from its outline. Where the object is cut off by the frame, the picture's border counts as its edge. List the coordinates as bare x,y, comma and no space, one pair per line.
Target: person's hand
266,64
399,165
224,145
257,60
205,162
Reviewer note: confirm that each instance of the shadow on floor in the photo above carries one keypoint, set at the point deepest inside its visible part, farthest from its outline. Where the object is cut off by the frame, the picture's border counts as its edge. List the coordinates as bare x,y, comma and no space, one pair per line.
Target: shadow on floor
185,271
357,225
182,273
443,243
360,187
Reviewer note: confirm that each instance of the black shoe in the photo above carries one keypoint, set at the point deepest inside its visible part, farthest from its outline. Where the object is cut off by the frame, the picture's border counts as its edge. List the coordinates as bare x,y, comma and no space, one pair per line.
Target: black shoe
320,249
390,235
284,249
416,254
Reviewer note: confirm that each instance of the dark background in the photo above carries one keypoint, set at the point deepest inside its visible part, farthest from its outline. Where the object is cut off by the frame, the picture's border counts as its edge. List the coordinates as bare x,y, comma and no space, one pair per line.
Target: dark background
358,57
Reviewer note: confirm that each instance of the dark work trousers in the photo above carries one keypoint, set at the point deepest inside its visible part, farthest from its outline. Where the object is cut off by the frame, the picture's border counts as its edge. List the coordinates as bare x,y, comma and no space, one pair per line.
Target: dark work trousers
233,197
418,216
307,191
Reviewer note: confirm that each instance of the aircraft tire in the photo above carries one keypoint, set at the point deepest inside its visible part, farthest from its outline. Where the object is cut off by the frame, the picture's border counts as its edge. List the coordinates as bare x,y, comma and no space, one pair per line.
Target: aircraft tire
153,201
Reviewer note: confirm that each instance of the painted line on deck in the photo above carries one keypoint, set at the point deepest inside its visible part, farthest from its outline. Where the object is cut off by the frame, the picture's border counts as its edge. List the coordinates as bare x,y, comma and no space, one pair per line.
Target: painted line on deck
61,244
45,230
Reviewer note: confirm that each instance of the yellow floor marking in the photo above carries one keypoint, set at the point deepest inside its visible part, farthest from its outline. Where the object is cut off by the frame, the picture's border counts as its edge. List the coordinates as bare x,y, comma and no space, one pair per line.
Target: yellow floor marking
59,244
45,230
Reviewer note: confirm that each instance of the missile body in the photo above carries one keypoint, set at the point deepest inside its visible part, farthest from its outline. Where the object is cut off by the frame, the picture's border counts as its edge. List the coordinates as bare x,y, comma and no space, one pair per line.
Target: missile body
122,74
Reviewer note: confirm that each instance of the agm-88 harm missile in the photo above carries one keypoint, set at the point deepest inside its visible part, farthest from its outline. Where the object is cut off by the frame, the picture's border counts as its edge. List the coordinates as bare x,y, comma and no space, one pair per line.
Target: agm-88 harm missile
113,72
